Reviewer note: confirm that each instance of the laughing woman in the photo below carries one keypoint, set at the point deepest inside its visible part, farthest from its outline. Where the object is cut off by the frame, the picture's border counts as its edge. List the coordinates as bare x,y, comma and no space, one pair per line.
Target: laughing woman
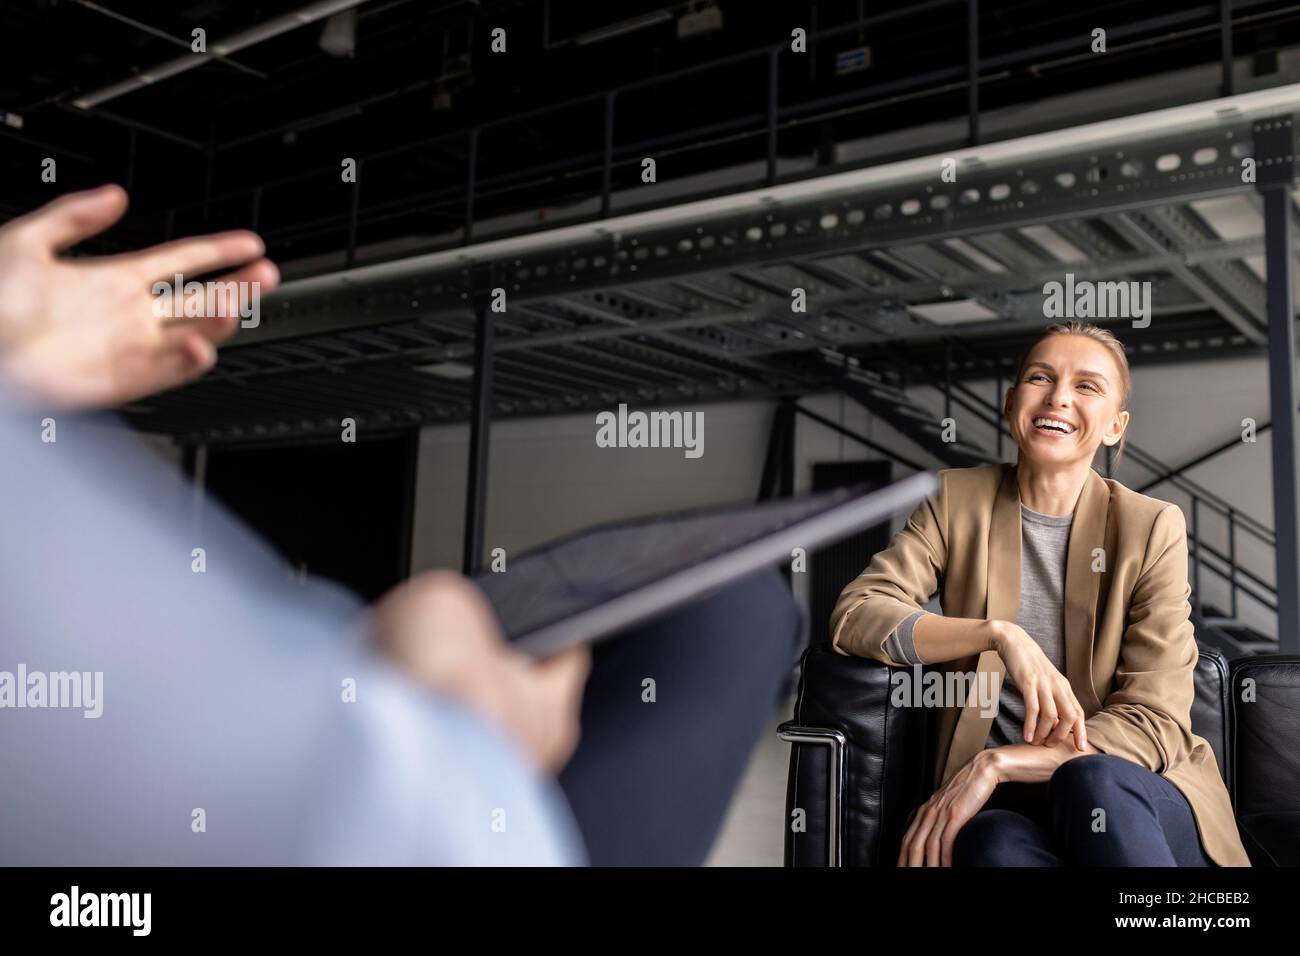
1074,589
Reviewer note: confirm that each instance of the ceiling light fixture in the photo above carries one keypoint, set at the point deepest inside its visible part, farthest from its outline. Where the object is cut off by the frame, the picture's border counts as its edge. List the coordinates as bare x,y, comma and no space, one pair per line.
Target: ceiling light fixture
623,26
240,41
339,35
456,371
694,22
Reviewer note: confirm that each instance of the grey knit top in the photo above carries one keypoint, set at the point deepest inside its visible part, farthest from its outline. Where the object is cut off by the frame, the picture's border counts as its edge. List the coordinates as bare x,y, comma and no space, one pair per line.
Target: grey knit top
1043,551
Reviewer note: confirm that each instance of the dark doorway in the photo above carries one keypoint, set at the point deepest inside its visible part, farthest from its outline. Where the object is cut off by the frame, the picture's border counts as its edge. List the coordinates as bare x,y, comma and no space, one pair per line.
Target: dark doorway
835,566
336,510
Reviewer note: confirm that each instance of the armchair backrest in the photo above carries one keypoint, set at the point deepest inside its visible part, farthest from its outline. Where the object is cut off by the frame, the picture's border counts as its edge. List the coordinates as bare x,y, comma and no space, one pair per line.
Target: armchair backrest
1264,718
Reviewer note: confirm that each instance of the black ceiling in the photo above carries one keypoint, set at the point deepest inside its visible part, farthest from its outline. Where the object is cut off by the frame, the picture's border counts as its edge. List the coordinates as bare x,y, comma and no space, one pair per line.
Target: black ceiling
195,148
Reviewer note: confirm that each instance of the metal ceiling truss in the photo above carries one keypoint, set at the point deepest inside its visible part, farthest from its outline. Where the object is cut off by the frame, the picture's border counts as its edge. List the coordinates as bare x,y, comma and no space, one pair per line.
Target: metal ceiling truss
701,310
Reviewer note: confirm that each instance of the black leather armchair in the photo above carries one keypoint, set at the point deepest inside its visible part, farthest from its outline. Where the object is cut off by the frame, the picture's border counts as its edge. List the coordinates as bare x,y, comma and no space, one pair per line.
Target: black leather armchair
858,765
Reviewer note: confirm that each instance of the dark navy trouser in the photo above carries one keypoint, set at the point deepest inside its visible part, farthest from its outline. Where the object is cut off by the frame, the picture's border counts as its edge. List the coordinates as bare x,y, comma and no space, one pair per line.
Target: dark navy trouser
650,783
1146,821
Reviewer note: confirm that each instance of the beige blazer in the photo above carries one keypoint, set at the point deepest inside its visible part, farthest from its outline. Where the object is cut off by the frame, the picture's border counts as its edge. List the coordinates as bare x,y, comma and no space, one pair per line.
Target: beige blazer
1129,644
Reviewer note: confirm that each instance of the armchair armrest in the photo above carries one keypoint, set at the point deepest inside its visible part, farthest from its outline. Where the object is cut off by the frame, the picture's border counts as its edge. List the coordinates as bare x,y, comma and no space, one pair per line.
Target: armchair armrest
859,764
794,733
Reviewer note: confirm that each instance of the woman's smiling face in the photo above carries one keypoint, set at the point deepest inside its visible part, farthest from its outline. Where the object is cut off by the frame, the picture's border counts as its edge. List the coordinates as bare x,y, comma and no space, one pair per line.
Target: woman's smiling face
1067,401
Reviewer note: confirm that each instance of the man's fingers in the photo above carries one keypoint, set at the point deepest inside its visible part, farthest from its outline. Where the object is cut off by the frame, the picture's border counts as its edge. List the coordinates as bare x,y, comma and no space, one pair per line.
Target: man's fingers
180,355
264,272
63,223
559,680
569,670
216,310
197,255
183,354
215,325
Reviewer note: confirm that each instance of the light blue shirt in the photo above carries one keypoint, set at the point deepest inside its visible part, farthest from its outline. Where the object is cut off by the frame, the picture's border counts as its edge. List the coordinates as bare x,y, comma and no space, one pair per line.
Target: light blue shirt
225,736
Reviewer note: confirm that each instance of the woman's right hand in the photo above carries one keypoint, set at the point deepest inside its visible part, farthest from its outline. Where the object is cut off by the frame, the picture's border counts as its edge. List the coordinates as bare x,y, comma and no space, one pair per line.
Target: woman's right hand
1052,712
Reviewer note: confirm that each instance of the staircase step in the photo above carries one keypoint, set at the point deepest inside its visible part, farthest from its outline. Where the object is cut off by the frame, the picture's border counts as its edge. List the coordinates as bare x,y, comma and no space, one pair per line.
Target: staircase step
917,423
1255,648
916,413
888,393
1239,631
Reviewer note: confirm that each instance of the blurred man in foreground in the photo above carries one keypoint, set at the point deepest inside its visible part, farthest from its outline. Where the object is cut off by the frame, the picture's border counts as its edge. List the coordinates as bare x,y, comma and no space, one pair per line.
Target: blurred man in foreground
245,717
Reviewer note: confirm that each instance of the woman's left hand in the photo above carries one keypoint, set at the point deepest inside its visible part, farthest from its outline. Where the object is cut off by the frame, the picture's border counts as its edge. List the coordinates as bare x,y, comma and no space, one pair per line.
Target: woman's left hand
929,838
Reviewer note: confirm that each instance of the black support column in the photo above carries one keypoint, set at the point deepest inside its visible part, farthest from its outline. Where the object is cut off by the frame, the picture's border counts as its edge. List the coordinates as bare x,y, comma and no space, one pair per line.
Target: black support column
973,71
1273,143
778,465
480,424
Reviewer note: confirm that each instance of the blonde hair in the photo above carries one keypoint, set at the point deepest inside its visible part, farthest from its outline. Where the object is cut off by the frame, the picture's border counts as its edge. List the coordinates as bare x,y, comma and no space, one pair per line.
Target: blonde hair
1097,334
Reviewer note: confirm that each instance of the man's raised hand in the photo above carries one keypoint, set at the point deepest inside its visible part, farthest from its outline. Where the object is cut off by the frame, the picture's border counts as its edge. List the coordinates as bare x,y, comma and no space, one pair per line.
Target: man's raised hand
85,332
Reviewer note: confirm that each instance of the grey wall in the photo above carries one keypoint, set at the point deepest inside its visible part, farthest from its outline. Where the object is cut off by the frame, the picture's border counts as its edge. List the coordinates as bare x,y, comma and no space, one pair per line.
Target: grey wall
546,477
